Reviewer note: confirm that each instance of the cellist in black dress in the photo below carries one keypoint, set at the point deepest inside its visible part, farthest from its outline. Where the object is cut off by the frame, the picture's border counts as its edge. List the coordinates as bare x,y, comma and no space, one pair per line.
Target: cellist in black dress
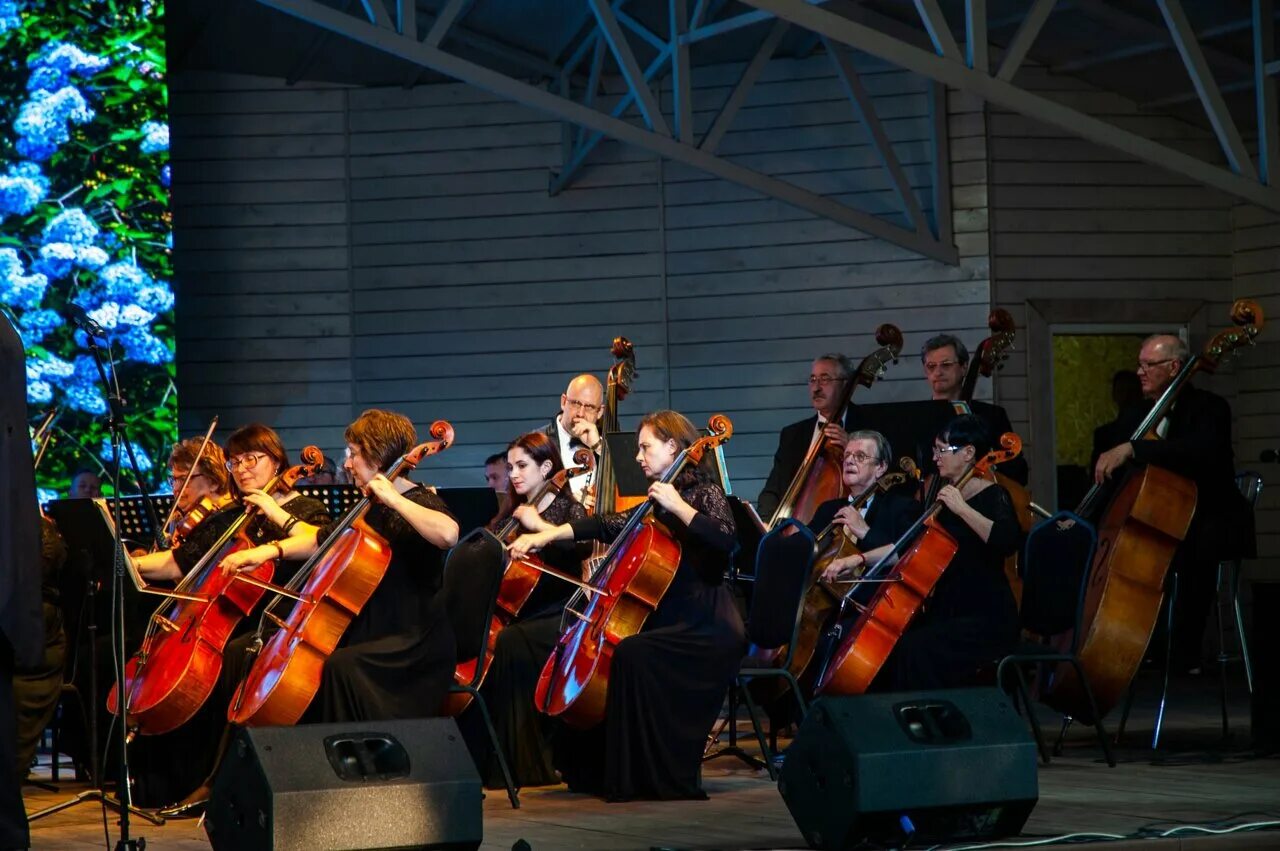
524,645
971,618
668,682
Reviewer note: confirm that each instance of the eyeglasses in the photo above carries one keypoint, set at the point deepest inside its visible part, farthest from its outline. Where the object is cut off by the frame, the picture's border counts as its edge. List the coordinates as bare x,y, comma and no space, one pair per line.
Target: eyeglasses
862,457
946,450
823,380
174,478
249,459
1147,365
934,366
582,406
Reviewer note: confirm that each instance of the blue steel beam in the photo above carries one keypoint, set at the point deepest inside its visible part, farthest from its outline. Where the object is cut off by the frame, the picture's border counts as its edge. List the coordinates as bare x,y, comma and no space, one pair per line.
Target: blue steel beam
637,80
1024,38
975,35
681,73
724,118
1264,53
935,23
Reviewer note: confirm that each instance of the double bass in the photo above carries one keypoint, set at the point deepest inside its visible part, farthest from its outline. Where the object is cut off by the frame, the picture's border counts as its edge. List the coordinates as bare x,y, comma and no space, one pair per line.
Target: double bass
628,586
1138,534
331,588
175,670
520,577
926,551
617,386
823,596
820,476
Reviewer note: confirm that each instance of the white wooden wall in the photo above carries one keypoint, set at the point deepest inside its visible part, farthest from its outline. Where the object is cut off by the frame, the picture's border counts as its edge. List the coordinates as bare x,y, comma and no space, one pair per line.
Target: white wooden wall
344,249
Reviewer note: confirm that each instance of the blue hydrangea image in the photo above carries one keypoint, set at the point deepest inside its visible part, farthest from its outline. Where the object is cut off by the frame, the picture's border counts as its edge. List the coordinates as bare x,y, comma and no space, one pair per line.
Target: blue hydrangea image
155,137
9,18
18,289
22,187
35,324
108,455
42,123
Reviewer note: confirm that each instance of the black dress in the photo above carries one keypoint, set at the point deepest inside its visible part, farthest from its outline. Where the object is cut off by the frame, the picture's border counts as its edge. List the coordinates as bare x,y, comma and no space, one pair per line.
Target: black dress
168,766
397,657
668,682
971,619
525,734
36,689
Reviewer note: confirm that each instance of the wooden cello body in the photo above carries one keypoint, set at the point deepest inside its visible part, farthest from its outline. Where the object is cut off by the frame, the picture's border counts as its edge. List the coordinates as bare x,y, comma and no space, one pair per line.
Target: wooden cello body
820,475
1138,534
926,551
629,585
176,668
335,584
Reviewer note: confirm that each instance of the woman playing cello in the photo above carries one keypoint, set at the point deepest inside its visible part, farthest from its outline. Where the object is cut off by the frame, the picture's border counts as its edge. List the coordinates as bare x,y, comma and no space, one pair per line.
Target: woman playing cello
667,682
396,658
524,645
971,618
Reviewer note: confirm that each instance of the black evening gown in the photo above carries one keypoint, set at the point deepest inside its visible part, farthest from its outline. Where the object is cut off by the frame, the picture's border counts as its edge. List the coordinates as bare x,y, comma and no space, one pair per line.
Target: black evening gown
522,648
668,682
397,657
971,619
168,766
36,690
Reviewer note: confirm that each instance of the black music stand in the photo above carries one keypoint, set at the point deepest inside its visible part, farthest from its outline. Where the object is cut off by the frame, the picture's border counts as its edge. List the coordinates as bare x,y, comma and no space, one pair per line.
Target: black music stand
473,508
82,527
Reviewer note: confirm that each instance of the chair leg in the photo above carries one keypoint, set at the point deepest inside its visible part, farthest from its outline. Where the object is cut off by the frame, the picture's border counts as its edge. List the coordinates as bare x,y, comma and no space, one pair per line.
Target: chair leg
1062,735
755,725
1168,661
497,749
1223,656
1024,695
1235,607
1093,711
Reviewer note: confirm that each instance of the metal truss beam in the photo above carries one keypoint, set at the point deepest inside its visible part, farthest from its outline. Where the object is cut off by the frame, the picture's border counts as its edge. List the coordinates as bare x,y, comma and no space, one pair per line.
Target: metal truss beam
1006,94
681,79
1264,52
935,23
637,81
1224,127
1024,38
1153,30
865,110
1147,48
387,40
975,35
724,119
448,16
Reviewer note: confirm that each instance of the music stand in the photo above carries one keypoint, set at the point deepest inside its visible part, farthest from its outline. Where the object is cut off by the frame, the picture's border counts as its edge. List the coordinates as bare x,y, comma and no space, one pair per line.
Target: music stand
83,528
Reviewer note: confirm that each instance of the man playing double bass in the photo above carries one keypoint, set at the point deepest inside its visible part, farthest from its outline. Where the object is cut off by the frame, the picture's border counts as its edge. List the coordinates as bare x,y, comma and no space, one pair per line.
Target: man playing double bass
1195,442
826,383
945,360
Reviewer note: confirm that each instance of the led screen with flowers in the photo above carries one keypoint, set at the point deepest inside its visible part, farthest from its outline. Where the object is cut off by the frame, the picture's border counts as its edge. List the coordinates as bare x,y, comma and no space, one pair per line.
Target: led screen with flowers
85,221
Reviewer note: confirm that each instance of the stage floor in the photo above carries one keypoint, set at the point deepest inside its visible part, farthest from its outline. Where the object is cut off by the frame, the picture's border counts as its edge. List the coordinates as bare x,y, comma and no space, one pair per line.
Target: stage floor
1196,778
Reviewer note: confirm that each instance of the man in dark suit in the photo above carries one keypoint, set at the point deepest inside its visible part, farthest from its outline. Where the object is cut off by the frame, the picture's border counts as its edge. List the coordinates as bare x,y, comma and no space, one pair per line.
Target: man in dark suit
946,360
577,424
21,619
826,388
1195,443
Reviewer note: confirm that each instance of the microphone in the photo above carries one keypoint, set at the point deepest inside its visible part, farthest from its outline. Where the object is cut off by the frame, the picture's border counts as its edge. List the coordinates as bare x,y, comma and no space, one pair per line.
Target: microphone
1269,456
82,320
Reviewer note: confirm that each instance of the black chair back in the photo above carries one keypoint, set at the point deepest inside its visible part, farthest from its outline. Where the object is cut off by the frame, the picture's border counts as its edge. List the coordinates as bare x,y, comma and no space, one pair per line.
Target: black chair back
1055,570
783,564
472,576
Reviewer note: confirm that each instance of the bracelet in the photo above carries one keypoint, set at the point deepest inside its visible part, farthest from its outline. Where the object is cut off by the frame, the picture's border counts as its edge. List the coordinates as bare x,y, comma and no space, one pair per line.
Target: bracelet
292,521
279,550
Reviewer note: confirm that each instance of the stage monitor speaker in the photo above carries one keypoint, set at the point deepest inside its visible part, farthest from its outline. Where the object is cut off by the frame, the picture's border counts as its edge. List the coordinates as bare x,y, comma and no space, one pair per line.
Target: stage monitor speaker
913,766
318,787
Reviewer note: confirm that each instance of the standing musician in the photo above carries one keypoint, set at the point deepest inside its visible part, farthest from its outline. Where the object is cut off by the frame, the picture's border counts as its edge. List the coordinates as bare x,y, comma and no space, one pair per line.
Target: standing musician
945,360
971,619
581,405
667,682
524,645
1196,444
176,763
826,383
396,659
881,520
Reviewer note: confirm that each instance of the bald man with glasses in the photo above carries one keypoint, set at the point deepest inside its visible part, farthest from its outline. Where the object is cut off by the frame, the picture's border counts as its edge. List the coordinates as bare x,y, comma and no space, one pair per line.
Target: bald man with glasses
578,424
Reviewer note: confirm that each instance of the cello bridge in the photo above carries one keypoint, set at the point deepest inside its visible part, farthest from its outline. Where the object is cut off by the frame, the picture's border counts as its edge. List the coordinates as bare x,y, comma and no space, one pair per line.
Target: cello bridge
274,619
165,623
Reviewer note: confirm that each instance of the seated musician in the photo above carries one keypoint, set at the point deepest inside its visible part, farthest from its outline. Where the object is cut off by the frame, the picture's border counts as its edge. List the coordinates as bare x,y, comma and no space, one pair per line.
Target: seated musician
826,385
971,618
577,424
1195,443
523,645
172,765
397,657
946,360
668,682
882,519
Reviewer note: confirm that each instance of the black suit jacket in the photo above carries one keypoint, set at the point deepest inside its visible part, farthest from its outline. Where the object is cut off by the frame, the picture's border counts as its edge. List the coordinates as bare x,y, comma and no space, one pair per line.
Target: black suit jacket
793,445
889,517
21,618
1198,446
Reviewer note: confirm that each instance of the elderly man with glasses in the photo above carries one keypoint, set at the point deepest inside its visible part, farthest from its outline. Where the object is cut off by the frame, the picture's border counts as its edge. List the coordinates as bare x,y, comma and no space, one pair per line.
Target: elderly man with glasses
1194,440
577,424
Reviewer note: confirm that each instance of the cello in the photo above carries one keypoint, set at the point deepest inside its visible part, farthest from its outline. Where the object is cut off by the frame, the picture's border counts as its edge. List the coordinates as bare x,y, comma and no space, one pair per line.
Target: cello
820,476
629,585
1138,534
331,588
177,666
823,596
520,577
927,550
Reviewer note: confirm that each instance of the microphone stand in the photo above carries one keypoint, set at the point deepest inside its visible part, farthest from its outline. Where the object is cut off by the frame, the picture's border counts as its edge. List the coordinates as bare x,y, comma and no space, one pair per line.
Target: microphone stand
115,425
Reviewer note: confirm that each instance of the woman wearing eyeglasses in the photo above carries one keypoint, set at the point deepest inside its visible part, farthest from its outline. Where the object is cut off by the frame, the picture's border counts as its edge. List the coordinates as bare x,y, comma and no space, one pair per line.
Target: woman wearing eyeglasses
971,618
